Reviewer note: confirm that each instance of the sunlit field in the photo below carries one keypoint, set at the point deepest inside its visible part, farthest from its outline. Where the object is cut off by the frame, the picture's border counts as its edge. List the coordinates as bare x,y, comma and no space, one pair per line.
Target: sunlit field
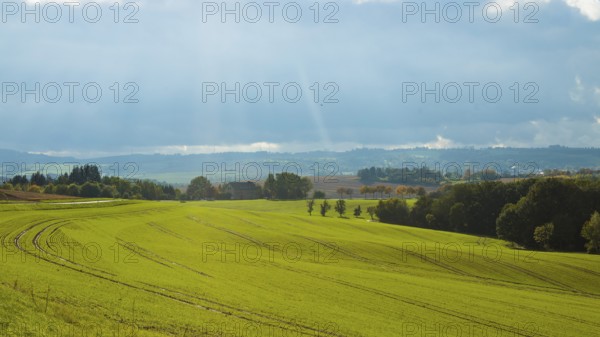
267,268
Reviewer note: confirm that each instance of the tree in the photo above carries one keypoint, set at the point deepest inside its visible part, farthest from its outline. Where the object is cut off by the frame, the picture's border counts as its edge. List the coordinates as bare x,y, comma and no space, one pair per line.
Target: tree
431,220
38,179
543,233
108,192
591,232
341,191
394,211
34,189
90,190
401,190
380,189
200,188
371,211
325,207
8,187
364,189
73,190
357,211
288,186
458,217
49,189
349,192
340,207
318,195
310,204
270,186
388,191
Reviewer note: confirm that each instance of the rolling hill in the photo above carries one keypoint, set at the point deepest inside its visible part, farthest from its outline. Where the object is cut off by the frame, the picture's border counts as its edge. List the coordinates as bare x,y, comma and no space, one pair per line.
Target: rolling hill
265,268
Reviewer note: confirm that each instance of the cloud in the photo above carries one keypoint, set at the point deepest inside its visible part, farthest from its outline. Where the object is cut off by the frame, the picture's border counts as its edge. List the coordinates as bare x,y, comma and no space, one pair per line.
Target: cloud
578,92
588,8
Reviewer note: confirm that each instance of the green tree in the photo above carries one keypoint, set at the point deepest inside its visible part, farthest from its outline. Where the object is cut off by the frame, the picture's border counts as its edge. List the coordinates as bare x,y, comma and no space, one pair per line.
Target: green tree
270,186
325,207
108,192
49,189
73,190
431,220
542,234
591,232
340,207
318,195
394,211
357,211
310,205
458,217
200,188
371,210
291,186
34,189
90,190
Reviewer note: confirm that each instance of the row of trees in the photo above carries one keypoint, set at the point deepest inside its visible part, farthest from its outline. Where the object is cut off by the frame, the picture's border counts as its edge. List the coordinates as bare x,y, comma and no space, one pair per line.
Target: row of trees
282,186
549,213
401,190
427,176
339,207
87,182
406,175
78,176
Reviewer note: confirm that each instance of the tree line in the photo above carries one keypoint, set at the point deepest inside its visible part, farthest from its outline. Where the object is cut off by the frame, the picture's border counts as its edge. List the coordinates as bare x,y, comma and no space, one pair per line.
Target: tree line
86,181
281,186
547,213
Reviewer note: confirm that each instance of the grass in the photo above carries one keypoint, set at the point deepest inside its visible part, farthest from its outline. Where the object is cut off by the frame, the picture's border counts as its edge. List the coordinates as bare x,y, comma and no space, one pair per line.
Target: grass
267,268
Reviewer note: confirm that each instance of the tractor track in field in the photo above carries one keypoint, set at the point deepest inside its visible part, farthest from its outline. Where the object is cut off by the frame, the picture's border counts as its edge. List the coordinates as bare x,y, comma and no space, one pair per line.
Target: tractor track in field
229,231
244,220
432,261
417,303
169,232
421,304
540,311
548,280
496,282
38,247
264,316
581,269
348,253
290,325
138,250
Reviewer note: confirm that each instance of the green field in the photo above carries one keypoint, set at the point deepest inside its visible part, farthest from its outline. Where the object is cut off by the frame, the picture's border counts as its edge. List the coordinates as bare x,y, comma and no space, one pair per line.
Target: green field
266,268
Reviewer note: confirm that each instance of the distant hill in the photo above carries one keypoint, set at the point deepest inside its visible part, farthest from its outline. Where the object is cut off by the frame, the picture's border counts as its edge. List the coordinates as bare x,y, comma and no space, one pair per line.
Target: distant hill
181,168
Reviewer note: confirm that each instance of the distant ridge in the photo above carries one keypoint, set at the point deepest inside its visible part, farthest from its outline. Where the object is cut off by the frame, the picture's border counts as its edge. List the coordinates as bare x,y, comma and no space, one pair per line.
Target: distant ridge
177,168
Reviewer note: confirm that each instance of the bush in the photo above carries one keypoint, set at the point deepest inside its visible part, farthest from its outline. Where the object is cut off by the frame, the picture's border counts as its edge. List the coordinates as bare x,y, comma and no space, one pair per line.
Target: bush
34,189
73,190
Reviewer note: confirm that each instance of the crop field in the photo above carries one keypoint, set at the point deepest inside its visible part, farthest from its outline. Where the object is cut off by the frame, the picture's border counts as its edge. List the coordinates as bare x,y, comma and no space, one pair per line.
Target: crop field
267,268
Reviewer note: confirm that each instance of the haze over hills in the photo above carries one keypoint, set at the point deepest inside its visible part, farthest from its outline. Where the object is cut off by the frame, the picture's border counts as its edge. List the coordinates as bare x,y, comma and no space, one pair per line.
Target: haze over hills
257,165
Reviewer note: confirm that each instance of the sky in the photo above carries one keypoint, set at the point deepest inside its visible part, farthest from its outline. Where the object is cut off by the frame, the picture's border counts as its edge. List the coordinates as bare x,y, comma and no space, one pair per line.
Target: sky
182,76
